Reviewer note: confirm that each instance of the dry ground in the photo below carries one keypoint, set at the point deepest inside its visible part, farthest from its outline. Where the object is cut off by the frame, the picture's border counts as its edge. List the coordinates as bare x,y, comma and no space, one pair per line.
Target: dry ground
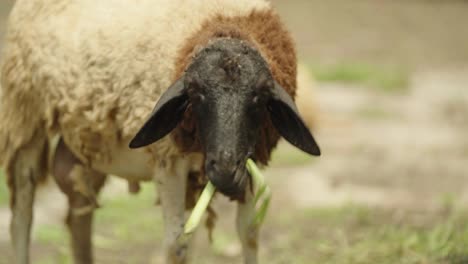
392,184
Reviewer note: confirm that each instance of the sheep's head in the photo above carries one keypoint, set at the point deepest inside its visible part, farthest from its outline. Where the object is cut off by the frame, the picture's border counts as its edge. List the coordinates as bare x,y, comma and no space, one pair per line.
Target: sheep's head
232,91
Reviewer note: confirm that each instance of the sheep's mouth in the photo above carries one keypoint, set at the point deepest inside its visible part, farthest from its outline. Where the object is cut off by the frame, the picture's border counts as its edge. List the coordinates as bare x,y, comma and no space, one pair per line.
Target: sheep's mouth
231,183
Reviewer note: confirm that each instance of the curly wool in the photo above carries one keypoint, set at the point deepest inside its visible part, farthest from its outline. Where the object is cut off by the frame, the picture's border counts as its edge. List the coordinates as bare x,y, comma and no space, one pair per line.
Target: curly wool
91,71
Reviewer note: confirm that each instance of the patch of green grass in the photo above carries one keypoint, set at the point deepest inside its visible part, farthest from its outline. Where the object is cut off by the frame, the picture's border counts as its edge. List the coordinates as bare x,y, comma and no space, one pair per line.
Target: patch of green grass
386,79
359,235
129,218
55,236
347,234
62,257
122,220
51,234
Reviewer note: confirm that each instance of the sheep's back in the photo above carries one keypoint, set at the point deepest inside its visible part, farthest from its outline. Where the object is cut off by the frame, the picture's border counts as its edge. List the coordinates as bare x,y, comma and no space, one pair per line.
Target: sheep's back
94,69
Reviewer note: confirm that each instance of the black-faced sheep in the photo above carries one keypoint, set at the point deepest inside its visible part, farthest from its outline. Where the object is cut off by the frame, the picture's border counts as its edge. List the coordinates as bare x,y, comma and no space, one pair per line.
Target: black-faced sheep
86,74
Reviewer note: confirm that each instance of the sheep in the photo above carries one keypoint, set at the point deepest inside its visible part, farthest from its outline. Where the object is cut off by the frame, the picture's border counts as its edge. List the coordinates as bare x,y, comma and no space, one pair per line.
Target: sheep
80,79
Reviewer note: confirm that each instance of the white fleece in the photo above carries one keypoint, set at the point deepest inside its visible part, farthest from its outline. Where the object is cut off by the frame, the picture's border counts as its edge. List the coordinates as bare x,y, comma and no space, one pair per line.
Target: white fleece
92,70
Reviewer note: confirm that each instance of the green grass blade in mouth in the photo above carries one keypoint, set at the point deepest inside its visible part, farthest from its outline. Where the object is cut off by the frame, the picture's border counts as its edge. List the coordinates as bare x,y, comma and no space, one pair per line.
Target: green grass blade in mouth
261,200
199,208
262,193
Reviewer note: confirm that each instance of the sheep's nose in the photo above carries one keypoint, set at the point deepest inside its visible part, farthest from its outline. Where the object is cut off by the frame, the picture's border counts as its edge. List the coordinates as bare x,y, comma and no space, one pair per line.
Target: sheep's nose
221,170
224,162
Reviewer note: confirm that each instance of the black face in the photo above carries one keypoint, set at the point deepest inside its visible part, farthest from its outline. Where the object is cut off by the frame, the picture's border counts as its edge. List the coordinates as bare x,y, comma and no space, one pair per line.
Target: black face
228,98
231,91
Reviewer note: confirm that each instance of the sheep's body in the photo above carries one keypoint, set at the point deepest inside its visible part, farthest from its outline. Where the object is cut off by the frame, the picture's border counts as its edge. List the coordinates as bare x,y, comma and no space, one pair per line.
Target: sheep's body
90,72
93,70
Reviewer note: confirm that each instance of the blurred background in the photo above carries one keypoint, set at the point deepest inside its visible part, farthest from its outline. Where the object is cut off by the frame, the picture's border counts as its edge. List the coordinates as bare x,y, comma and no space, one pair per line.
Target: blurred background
386,83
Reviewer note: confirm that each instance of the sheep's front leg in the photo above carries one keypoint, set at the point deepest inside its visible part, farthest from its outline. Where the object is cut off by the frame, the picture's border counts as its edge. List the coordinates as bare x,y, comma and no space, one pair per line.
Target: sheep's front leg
24,171
247,232
172,183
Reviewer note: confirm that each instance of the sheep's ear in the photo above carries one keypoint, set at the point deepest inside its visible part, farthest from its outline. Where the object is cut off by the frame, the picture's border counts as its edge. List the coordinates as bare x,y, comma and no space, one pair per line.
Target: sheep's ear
286,119
167,113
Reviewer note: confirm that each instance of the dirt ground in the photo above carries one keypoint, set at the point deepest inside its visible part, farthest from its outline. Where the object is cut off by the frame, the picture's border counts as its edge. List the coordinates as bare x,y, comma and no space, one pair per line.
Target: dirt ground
405,151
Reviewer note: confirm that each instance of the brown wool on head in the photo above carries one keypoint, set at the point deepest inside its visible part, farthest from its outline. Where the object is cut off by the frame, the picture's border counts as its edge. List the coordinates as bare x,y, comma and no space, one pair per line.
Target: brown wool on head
264,31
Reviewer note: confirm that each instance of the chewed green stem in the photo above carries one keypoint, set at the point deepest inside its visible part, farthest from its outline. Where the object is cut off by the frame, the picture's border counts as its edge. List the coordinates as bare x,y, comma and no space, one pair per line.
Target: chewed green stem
199,208
262,194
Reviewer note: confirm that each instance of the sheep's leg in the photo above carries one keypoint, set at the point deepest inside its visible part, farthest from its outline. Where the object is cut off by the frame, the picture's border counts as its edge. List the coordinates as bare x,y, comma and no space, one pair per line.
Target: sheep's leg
79,221
172,184
25,170
248,233
81,186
